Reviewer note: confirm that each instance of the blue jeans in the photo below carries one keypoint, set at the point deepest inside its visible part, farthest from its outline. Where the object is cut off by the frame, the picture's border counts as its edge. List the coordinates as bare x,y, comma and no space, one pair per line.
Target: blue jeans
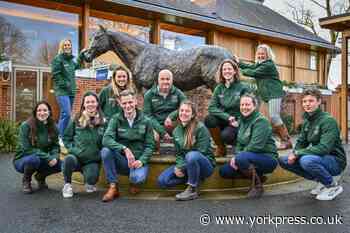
39,165
90,171
114,163
263,164
66,104
313,167
198,167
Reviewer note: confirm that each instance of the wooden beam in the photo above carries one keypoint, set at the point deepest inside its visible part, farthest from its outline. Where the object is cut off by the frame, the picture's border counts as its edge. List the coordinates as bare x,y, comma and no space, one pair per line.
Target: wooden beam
344,89
210,38
67,6
294,65
155,32
84,41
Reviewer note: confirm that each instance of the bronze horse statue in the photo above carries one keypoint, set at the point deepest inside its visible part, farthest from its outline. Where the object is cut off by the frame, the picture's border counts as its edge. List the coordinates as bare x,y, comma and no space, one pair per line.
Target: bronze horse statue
191,67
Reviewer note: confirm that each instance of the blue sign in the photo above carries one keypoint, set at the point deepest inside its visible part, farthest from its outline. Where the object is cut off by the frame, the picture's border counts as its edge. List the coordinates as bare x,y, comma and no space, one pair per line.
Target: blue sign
101,74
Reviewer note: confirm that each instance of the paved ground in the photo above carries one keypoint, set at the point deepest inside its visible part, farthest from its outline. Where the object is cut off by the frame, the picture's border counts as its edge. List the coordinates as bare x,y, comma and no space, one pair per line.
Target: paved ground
46,211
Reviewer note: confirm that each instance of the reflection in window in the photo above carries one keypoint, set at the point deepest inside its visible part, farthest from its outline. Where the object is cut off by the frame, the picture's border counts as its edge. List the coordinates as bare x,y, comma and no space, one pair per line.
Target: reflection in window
140,32
31,34
179,41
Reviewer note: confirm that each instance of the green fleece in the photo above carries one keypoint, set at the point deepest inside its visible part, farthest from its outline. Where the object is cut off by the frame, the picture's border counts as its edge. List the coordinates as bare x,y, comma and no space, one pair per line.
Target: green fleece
158,108
202,144
225,101
84,143
320,135
267,79
45,148
139,138
255,135
63,69
108,102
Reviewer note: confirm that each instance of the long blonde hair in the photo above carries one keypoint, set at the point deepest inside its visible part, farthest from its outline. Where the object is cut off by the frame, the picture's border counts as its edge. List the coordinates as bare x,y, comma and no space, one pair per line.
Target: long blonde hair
190,138
115,88
61,45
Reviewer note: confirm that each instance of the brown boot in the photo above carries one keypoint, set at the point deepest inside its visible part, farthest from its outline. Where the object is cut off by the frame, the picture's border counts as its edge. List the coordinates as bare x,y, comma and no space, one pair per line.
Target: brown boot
111,194
220,146
286,142
134,189
27,180
256,190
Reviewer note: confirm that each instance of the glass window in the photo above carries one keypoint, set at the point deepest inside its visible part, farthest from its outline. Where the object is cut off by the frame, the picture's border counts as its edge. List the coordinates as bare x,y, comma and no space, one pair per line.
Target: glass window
140,32
313,61
179,41
31,35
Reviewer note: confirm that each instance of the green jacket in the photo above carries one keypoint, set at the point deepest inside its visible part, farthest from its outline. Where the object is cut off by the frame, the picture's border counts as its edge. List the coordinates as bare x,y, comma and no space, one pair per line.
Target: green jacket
63,73
202,144
225,101
320,135
267,79
158,108
44,148
139,138
255,135
84,143
108,102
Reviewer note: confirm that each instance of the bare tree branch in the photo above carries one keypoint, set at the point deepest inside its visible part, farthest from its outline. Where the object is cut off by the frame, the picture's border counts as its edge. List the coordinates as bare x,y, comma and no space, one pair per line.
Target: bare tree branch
318,4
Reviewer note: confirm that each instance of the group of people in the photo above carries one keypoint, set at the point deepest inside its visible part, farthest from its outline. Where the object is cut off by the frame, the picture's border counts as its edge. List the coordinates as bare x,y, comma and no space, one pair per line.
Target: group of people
110,130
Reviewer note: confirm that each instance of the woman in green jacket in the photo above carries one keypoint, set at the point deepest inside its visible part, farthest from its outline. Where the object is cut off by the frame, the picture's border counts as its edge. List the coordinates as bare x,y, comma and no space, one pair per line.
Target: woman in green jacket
194,157
63,69
37,149
109,95
224,106
318,154
83,139
256,149
270,89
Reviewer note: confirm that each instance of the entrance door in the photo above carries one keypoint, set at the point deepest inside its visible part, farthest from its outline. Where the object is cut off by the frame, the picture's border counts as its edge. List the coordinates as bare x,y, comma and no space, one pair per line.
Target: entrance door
26,92
48,93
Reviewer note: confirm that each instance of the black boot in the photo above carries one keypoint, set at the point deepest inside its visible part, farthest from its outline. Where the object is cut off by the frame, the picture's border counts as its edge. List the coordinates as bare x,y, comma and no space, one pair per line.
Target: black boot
190,193
27,178
41,180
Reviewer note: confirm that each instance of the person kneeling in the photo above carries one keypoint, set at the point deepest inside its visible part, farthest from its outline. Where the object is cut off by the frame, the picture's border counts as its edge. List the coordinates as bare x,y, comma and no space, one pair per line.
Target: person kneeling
128,146
83,139
318,154
257,152
194,157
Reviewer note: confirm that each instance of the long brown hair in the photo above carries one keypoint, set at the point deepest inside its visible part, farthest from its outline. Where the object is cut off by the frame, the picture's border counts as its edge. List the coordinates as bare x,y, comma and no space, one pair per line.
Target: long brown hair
190,139
79,117
33,124
220,77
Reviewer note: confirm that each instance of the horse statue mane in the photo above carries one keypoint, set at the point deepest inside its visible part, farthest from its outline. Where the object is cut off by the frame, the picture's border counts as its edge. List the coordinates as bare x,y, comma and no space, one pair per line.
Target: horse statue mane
191,68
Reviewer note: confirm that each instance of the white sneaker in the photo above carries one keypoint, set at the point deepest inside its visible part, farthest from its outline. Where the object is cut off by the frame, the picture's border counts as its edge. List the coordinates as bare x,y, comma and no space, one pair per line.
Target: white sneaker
318,189
67,190
90,188
330,193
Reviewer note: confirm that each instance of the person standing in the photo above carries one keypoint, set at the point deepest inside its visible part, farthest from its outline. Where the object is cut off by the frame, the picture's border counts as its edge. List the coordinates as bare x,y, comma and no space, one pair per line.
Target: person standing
63,69
270,89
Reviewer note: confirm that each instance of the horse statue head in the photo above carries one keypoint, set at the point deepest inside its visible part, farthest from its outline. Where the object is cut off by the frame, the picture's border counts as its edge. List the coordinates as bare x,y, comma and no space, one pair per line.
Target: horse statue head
99,44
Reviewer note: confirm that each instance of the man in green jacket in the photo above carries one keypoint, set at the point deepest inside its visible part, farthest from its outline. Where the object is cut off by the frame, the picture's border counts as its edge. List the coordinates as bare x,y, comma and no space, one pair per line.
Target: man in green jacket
270,89
63,69
318,154
128,146
161,103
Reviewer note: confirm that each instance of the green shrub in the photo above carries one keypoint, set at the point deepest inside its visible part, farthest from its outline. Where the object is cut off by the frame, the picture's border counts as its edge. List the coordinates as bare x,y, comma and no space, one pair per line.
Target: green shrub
8,135
289,123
